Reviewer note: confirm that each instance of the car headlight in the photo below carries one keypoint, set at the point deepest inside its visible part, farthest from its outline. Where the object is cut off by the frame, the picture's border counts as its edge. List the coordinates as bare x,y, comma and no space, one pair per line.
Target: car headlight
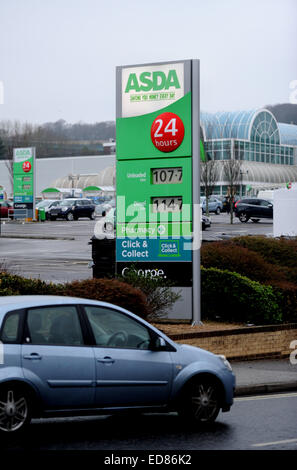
225,361
64,209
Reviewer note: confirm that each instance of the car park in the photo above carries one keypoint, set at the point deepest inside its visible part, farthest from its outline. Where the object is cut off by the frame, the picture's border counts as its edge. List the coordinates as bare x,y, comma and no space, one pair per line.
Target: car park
214,204
254,209
73,209
6,210
64,355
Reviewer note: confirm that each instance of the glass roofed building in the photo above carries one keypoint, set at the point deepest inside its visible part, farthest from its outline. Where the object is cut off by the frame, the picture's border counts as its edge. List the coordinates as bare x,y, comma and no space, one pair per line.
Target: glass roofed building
267,148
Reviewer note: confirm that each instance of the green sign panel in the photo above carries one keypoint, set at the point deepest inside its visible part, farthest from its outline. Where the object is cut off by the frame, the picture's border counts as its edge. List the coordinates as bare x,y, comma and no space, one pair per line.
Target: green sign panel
24,182
155,151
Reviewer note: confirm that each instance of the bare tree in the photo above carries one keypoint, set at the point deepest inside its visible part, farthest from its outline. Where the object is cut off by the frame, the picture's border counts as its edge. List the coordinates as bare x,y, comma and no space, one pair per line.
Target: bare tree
209,176
232,174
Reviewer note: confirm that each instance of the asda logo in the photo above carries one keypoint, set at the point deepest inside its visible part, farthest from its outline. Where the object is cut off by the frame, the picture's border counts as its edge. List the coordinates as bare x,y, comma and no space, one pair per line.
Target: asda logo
152,81
23,152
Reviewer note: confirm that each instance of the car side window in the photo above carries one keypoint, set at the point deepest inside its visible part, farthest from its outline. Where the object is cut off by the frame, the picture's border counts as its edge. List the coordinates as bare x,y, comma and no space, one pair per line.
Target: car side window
114,329
10,328
265,203
54,325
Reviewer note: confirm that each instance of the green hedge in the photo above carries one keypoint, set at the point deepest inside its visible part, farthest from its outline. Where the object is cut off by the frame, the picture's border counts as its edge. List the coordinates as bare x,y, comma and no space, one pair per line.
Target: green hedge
233,297
240,259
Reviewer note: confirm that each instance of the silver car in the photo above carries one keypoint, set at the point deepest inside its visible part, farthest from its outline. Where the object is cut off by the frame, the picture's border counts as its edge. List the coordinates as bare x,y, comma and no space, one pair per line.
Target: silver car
68,355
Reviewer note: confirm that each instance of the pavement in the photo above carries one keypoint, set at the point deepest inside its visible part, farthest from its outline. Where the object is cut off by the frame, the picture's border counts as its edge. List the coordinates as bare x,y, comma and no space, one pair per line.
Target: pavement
265,376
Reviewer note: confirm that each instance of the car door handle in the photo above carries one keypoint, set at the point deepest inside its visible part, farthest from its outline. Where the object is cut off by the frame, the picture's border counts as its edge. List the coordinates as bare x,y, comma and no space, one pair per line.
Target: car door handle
33,356
106,360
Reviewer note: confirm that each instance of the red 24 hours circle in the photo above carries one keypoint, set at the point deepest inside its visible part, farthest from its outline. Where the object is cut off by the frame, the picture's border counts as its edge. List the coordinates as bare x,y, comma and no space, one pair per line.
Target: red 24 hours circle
167,132
26,167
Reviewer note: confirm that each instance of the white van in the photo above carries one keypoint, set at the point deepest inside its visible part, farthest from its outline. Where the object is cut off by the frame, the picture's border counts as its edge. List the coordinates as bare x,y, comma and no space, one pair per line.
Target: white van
266,194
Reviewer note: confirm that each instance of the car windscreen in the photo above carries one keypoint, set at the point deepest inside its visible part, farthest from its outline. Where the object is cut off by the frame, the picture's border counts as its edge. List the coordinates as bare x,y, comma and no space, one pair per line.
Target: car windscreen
43,203
67,203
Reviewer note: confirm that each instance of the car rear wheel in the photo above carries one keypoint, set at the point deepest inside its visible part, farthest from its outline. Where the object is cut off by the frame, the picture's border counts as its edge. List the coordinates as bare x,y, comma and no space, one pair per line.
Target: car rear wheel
201,402
92,216
218,211
243,217
15,409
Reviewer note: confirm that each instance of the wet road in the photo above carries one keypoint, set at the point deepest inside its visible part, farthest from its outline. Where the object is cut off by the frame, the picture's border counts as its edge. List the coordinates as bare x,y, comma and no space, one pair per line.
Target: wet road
266,422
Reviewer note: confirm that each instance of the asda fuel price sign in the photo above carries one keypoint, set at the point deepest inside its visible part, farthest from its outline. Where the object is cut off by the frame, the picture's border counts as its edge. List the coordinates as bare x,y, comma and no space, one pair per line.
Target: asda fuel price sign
24,182
155,171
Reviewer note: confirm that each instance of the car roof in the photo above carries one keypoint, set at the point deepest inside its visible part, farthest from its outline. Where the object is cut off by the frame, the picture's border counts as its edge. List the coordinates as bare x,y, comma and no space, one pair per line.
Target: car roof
39,300
13,302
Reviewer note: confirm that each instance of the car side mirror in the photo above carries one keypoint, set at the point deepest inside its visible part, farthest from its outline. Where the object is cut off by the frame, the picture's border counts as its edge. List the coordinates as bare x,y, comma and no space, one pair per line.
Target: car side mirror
159,344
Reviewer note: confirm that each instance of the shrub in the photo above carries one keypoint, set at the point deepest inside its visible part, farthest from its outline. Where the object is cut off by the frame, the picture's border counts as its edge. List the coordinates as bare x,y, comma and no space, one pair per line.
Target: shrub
110,290
7,291
19,285
107,290
239,259
233,297
287,292
278,251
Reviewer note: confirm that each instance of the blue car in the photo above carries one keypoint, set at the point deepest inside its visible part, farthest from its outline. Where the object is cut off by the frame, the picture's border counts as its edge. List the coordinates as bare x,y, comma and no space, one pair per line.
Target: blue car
70,356
214,205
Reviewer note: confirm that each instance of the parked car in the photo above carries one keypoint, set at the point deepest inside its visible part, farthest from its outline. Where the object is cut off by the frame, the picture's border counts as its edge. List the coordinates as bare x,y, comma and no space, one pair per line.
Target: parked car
47,205
214,204
73,209
6,210
254,209
76,356
102,209
206,222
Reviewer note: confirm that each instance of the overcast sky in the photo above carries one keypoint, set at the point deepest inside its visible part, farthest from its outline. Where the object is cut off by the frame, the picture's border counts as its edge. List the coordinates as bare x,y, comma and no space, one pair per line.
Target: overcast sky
58,57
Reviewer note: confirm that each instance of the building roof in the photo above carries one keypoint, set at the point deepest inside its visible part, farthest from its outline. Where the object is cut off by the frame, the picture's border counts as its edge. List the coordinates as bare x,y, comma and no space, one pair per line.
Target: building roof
256,125
288,133
265,175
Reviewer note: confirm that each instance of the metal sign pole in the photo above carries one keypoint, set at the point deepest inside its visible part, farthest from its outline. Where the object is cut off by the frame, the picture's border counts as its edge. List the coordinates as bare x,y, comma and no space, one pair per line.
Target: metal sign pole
196,193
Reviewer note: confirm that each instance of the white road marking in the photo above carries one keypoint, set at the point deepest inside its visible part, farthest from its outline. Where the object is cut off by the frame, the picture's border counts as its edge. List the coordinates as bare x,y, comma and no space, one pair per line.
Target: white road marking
264,444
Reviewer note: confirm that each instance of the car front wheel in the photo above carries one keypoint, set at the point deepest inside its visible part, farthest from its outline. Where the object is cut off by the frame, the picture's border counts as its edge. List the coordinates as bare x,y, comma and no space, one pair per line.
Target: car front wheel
201,402
243,217
15,409
70,216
